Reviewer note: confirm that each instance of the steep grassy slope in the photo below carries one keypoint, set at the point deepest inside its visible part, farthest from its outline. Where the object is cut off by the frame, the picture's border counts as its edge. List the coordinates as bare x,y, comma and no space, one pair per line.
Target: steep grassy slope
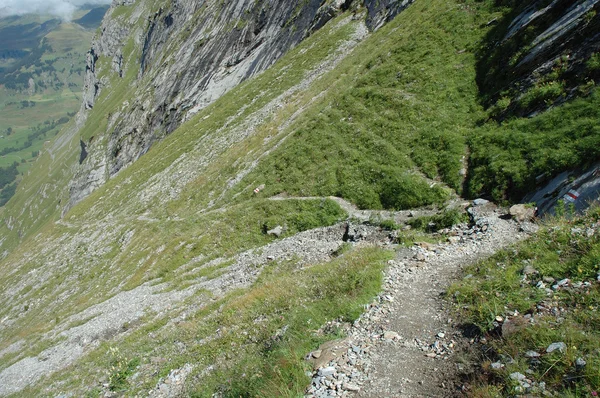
384,122
508,160
123,236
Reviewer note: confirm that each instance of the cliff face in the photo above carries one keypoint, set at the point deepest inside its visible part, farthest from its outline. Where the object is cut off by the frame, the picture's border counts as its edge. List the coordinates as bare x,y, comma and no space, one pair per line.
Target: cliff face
540,54
182,56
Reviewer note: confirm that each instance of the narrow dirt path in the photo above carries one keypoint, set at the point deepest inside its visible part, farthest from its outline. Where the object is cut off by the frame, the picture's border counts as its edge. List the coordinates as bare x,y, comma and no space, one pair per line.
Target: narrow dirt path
400,216
404,345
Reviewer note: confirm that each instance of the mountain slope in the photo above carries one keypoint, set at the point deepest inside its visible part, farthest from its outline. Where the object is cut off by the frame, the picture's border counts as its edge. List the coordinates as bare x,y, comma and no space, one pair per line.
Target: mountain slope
167,264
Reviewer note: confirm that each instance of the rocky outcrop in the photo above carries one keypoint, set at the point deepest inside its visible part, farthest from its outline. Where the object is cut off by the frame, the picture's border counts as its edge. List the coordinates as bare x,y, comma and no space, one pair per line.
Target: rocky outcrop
573,190
382,11
539,55
185,55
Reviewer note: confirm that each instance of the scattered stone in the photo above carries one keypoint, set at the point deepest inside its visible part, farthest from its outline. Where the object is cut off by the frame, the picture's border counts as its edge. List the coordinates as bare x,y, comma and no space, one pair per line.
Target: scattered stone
351,387
420,257
277,231
517,376
540,285
529,270
560,346
532,354
389,335
561,283
522,213
424,245
497,365
316,354
499,318
480,202
328,371
454,239
580,363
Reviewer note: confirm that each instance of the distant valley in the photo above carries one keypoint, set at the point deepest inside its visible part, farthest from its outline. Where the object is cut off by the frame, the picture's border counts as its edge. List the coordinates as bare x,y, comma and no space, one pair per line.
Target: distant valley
42,63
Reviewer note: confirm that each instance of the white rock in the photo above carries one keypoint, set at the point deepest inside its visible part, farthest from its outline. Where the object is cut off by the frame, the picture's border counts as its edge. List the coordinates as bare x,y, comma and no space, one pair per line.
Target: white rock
560,346
328,371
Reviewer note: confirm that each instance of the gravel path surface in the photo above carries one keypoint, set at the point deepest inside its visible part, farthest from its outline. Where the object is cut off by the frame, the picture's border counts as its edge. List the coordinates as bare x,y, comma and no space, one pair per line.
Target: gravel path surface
404,345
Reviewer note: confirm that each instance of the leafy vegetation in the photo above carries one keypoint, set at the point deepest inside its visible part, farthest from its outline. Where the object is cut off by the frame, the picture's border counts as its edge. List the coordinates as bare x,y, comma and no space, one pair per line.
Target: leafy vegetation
401,109
565,251
291,307
506,158
254,340
446,219
503,66
389,127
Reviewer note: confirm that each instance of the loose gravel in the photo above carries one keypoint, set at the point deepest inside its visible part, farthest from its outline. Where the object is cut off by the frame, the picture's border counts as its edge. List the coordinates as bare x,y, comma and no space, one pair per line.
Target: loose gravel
405,343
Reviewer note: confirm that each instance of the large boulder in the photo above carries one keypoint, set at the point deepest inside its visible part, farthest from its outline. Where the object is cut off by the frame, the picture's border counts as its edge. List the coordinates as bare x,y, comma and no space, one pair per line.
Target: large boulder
522,212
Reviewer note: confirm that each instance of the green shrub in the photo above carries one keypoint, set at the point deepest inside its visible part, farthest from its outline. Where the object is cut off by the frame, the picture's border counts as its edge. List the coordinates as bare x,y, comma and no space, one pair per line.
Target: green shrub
541,94
409,191
446,219
506,158
593,64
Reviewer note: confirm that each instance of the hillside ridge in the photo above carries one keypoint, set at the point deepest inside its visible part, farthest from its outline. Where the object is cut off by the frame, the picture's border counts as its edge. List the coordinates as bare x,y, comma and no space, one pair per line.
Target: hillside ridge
166,238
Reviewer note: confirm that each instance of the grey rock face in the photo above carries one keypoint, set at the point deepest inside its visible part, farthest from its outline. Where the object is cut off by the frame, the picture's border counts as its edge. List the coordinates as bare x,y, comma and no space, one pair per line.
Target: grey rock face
382,11
578,188
545,39
186,55
561,29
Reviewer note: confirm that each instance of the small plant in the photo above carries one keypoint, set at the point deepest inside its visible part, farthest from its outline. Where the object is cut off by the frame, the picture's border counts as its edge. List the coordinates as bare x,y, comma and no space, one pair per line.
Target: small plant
121,369
571,210
542,94
588,16
500,106
446,219
344,248
559,209
593,64
388,225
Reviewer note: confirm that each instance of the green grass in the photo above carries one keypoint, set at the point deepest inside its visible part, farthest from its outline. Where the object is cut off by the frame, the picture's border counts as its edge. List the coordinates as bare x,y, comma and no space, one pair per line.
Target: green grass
264,332
221,234
506,158
387,128
182,230
403,107
445,219
212,234
497,287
